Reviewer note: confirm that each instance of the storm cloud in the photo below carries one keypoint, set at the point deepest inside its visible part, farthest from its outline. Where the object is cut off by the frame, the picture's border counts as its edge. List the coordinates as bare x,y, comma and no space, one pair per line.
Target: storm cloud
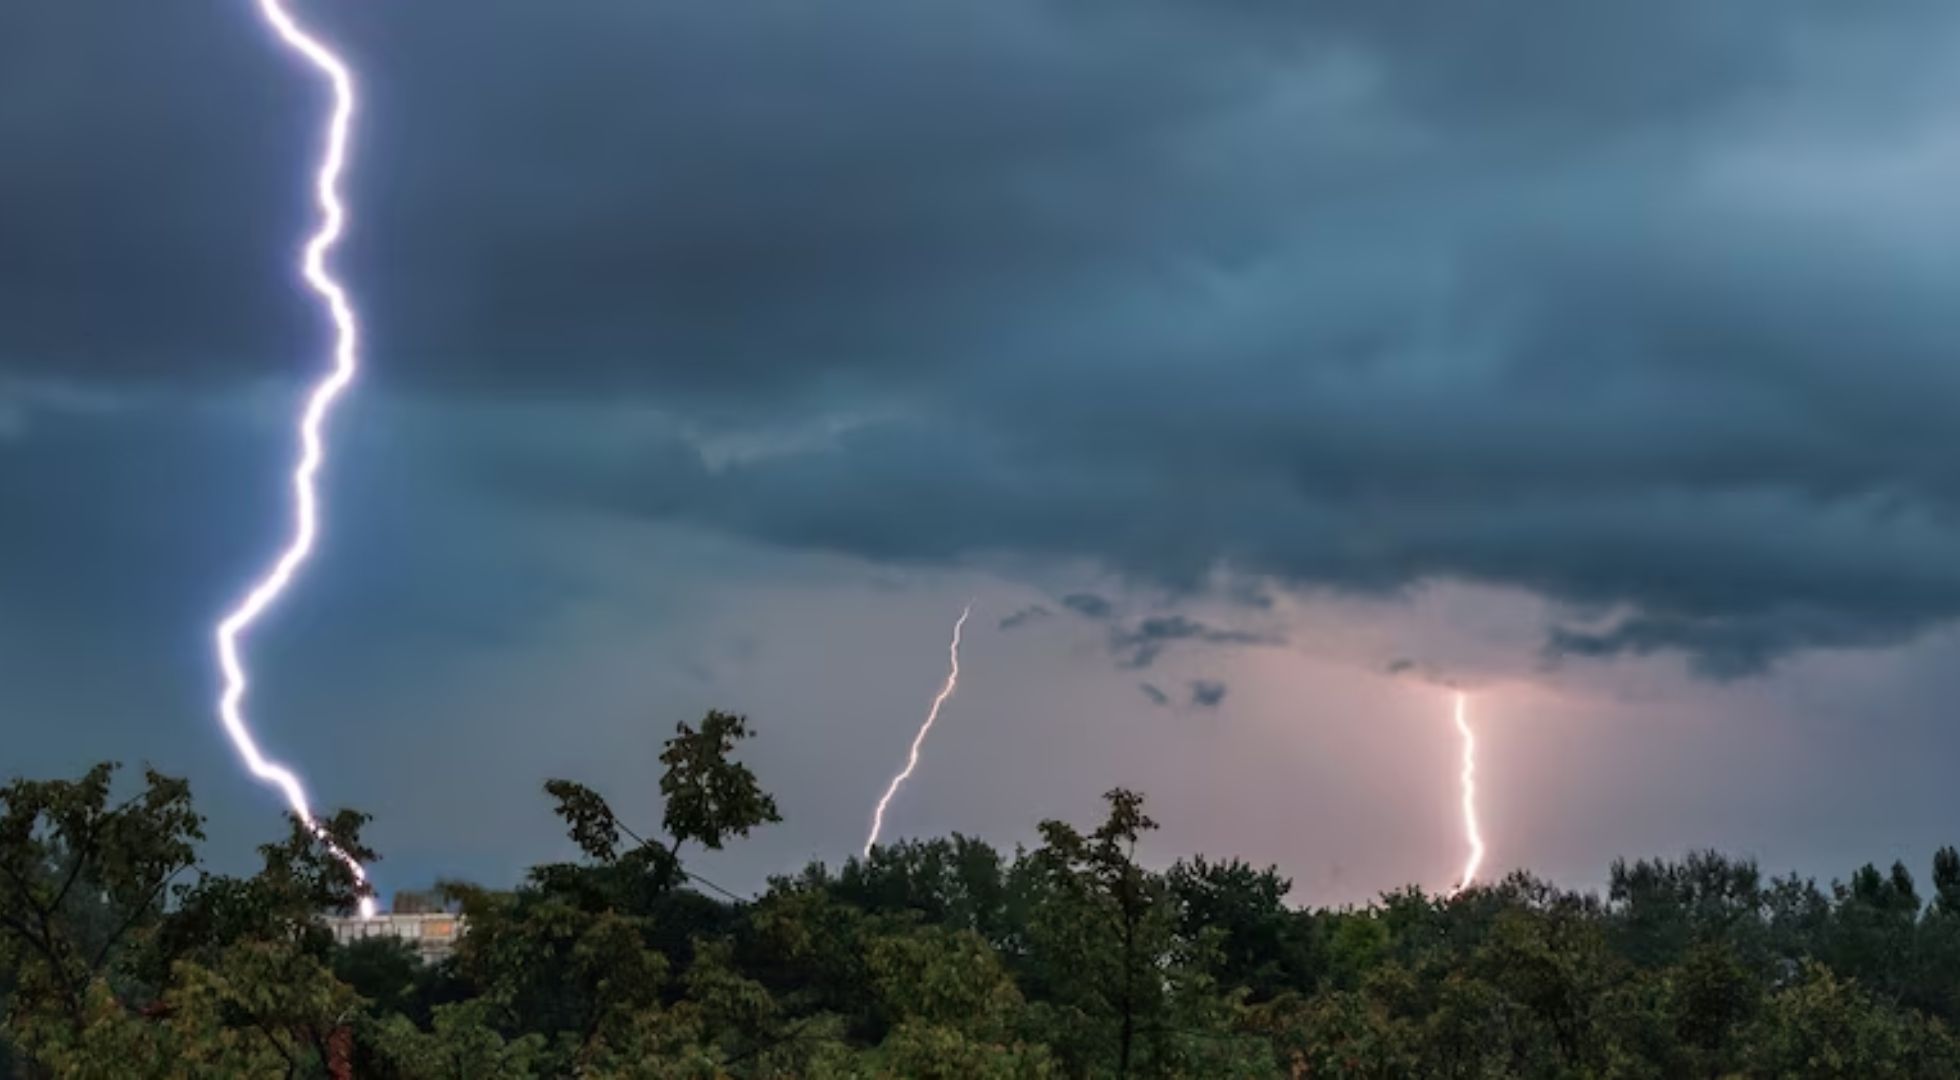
1647,311
1139,646
1024,616
1089,605
1207,693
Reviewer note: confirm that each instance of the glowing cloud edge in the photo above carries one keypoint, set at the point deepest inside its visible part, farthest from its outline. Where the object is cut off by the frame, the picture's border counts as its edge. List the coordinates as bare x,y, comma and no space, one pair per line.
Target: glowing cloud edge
319,404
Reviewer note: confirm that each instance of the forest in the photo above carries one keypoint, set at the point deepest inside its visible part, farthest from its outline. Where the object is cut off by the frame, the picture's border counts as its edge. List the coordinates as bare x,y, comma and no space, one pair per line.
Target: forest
121,956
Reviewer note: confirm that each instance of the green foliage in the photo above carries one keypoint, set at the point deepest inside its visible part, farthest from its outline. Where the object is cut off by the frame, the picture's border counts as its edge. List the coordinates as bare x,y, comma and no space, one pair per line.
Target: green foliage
1264,945
709,797
460,1044
958,882
933,1052
944,978
79,877
1824,1026
939,958
593,827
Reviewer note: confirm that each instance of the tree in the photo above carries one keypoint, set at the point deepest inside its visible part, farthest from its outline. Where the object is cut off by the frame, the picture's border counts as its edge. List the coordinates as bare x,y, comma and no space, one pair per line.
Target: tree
711,797
80,876
595,958
1712,995
124,969
1101,930
1661,909
1337,1033
1826,1027
1549,954
957,882
1875,927
120,957
1263,945
461,1045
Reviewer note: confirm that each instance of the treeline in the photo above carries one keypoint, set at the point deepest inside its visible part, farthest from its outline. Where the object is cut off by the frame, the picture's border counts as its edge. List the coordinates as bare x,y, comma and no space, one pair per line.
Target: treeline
120,957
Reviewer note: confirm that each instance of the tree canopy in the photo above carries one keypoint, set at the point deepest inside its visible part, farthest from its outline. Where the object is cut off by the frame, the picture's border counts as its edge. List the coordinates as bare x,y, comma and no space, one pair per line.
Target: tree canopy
120,956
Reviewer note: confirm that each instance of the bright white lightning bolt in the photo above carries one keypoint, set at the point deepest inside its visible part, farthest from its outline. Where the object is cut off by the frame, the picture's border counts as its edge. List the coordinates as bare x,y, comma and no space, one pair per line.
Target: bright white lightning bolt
912,762
333,161
1469,783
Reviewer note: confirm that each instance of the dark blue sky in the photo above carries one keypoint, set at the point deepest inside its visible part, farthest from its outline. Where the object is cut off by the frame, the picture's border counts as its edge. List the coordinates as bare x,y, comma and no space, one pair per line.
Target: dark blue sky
1604,360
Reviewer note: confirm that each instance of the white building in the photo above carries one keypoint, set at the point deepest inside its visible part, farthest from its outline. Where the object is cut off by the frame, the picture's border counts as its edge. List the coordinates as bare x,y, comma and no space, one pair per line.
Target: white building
433,935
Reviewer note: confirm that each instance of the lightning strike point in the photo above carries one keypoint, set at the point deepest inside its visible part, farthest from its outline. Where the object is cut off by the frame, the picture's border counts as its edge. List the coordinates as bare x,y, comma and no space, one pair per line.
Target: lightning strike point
912,762
1468,779
319,404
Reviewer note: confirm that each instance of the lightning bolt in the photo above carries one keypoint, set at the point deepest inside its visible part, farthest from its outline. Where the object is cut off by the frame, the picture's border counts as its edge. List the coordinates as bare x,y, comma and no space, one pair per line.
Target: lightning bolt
319,403
912,762
1469,785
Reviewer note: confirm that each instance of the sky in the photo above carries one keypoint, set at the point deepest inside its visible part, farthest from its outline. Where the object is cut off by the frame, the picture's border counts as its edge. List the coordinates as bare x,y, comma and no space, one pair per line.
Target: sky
1260,370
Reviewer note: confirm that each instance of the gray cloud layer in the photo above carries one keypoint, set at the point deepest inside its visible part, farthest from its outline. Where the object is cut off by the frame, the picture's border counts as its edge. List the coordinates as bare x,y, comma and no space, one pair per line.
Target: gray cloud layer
1647,310
1089,605
1139,646
1023,616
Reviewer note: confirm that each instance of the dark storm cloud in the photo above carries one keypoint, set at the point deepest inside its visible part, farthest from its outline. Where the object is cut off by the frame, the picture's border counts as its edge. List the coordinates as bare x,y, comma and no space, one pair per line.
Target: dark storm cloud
1720,649
1089,605
144,517
1024,616
1207,693
1644,310
1139,646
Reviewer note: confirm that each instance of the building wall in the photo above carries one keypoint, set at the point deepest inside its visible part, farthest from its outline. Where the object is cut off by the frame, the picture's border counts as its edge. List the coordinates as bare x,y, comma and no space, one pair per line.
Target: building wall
433,935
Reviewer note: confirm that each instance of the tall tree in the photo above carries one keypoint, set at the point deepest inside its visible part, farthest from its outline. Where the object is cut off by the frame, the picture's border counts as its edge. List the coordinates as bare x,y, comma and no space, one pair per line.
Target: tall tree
1102,929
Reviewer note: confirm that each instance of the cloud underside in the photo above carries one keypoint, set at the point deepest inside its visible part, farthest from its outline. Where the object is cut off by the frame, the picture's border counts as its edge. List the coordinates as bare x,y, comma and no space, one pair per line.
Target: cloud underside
1207,693
1346,299
1140,646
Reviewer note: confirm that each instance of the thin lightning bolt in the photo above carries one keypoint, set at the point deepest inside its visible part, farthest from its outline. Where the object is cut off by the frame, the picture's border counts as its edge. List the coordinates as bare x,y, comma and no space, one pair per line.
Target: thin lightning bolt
1469,783
319,403
912,762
